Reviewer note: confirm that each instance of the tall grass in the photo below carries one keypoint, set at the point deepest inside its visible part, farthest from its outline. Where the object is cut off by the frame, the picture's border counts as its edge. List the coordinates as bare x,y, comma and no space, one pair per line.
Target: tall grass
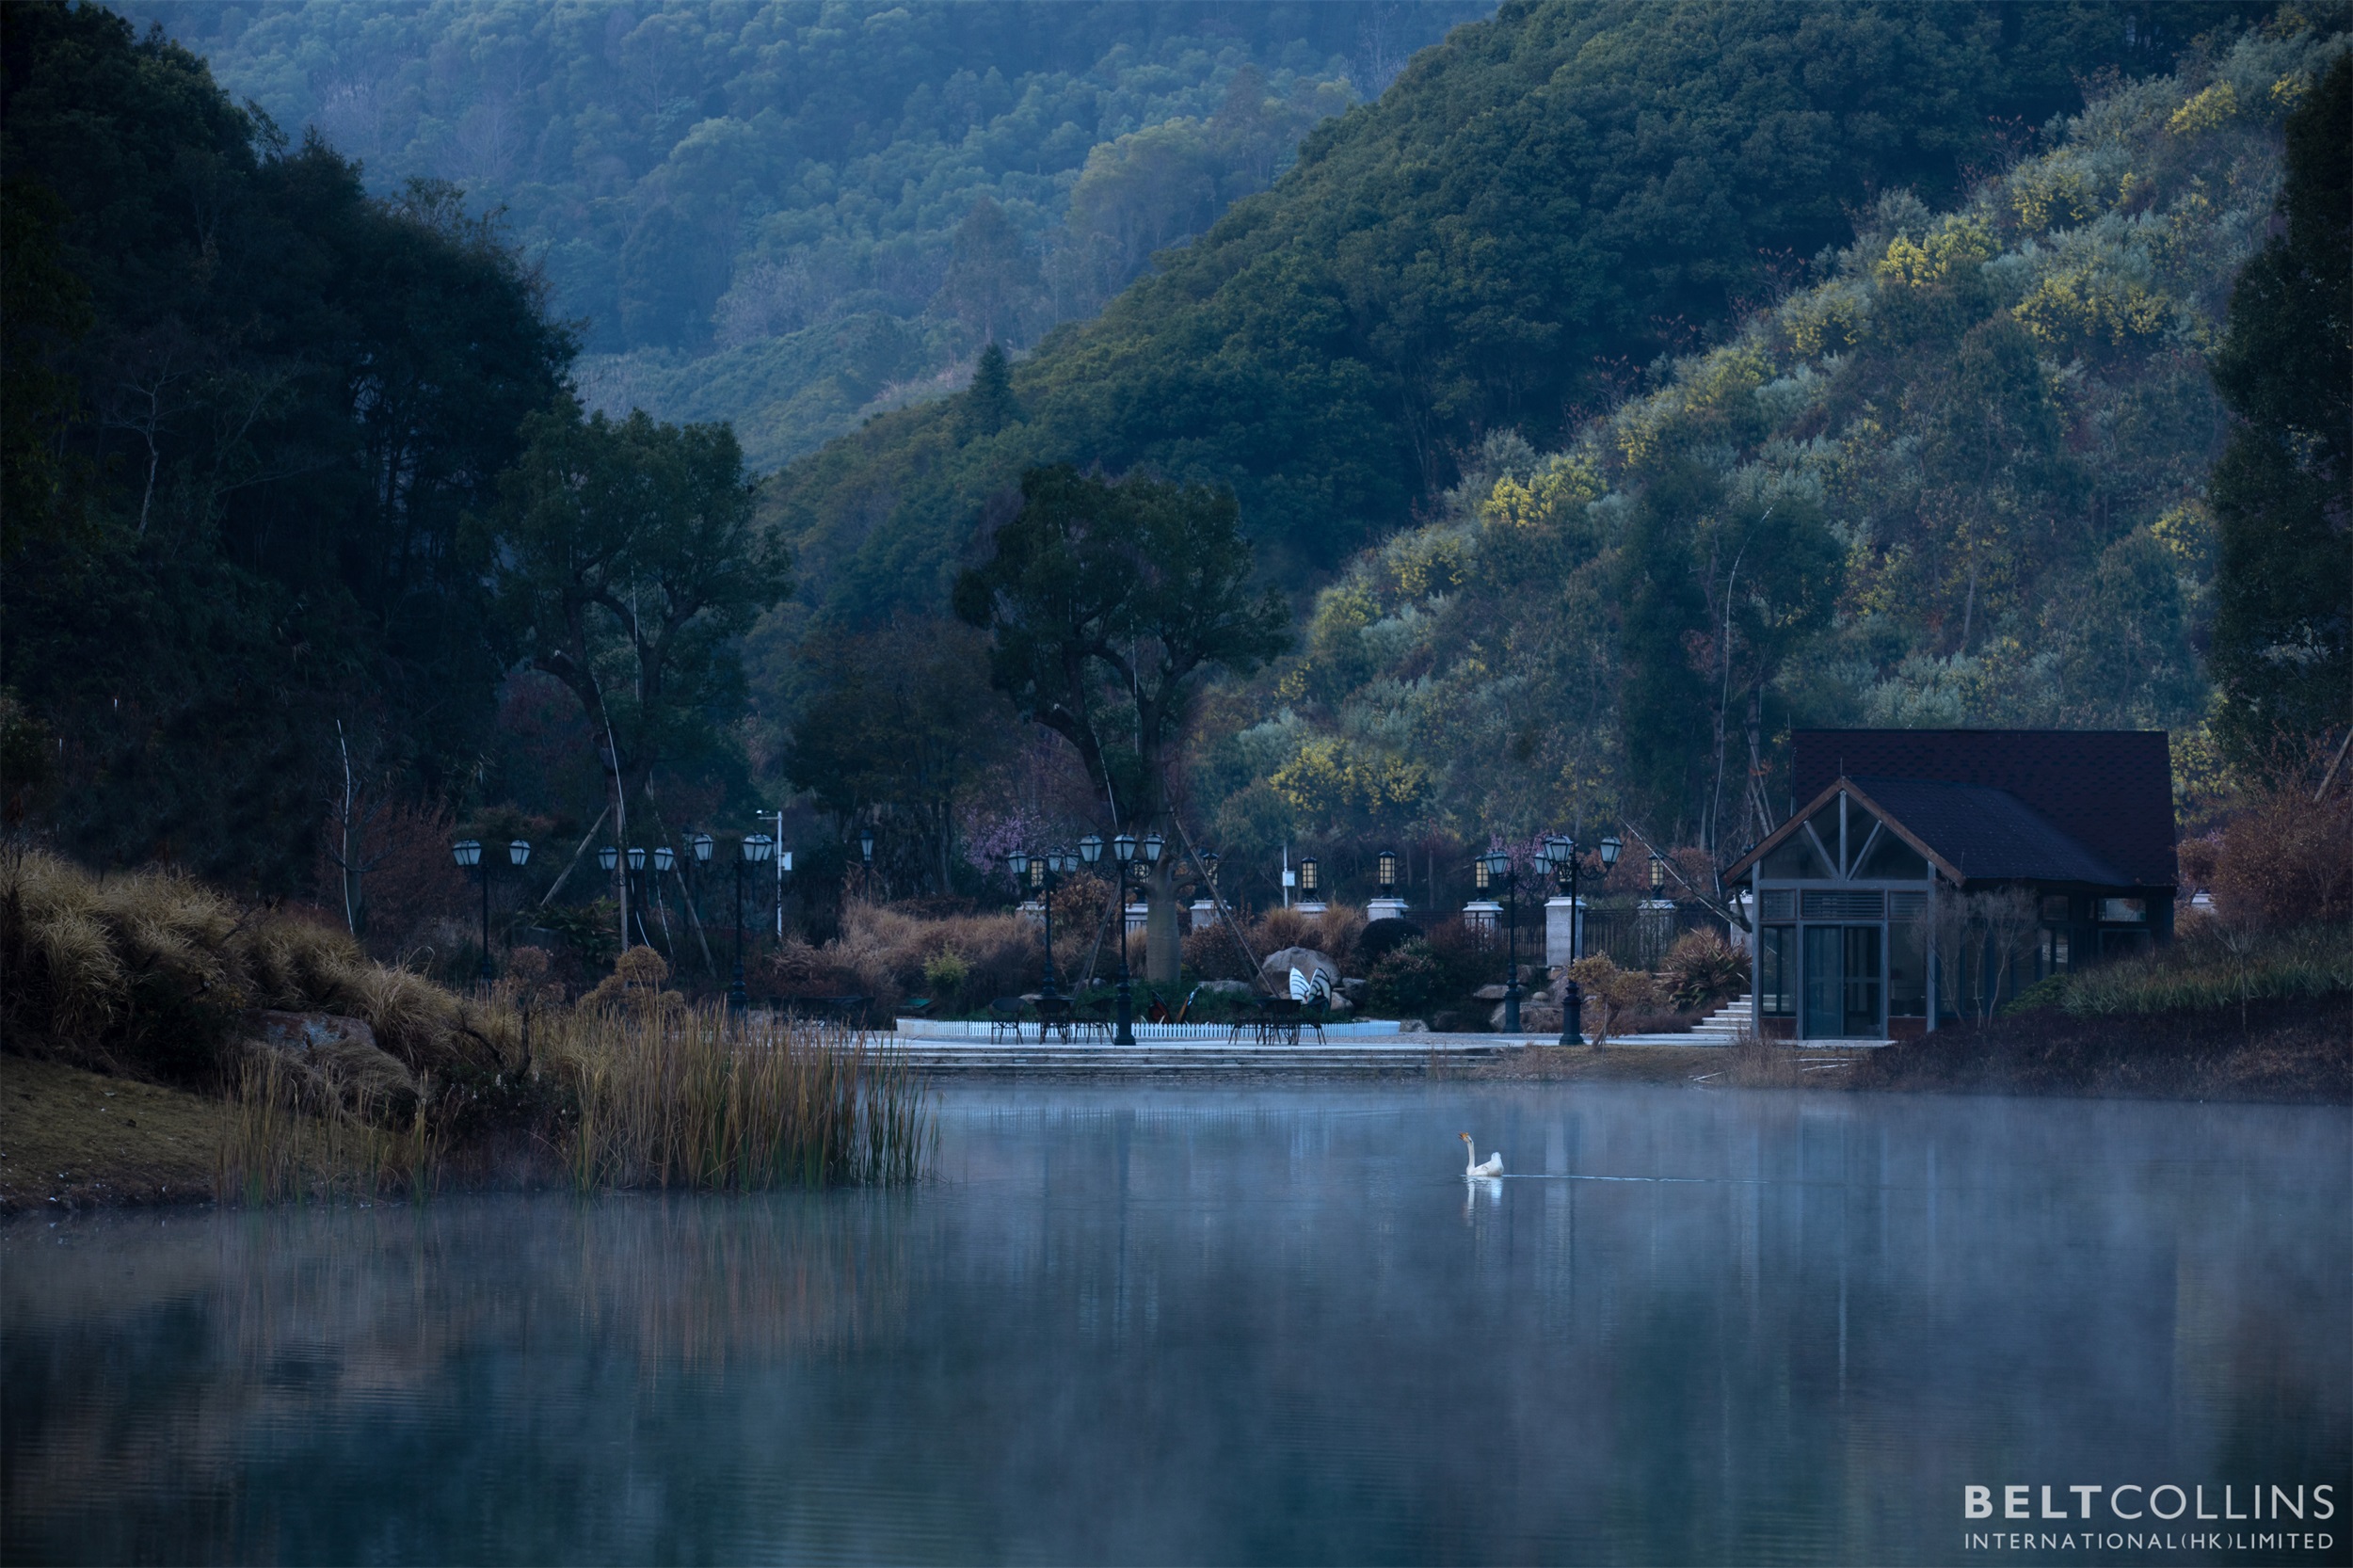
689,1096
2226,966
286,1136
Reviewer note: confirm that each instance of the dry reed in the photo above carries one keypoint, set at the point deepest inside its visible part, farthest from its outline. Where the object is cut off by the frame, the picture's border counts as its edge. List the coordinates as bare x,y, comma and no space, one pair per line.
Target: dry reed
689,1096
288,1135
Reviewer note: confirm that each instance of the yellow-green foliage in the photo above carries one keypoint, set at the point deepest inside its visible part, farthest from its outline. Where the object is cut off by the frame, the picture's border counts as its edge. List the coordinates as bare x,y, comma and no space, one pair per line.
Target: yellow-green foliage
151,973
1956,243
2206,111
1328,775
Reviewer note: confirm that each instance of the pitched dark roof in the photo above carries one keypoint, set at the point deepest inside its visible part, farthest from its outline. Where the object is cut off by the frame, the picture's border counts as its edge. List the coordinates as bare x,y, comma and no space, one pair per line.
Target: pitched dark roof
1989,834
2111,791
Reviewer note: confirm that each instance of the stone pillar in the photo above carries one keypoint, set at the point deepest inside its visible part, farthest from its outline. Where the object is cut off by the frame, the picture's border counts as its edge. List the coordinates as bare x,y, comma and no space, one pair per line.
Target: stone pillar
1309,906
1033,911
1482,914
1204,914
1385,909
1744,903
1563,923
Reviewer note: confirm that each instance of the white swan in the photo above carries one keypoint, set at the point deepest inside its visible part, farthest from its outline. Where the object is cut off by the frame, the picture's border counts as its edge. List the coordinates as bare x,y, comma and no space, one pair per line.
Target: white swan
1471,1165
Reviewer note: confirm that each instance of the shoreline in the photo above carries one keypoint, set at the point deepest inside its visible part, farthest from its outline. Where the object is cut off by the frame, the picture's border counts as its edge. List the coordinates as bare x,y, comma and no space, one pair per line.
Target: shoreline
73,1140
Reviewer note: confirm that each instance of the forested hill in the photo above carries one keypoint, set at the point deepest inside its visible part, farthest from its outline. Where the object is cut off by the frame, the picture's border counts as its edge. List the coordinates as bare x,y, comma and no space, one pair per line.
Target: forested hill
782,214
1537,209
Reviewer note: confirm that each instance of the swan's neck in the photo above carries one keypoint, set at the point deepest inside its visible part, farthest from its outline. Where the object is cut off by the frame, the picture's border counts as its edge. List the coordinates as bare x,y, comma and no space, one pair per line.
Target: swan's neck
1471,1157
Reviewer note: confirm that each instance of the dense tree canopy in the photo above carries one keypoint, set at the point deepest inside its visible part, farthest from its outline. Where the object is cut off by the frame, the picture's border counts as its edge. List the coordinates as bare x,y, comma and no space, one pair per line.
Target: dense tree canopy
756,209
2283,490
1960,479
1539,207
265,401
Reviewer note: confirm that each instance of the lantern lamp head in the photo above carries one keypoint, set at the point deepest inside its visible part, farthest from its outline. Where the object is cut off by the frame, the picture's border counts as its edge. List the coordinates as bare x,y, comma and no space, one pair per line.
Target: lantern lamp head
519,852
1658,872
1387,872
758,847
607,856
1307,868
1611,846
1091,848
1498,863
1124,848
866,844
467,851
638,858
1480,874
700,844
665,858
1153,844
1018,862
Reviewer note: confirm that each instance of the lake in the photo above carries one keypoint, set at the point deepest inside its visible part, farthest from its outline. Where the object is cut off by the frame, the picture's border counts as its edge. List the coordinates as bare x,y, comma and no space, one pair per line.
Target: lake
1230,1323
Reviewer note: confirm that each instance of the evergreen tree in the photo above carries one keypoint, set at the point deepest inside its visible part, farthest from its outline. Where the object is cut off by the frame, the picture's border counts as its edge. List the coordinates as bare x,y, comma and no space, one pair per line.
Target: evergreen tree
988,403
2284,615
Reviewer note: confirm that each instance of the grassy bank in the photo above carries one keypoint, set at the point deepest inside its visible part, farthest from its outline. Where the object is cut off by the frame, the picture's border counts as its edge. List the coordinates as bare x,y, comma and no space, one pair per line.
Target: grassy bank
2223,1014
285,1064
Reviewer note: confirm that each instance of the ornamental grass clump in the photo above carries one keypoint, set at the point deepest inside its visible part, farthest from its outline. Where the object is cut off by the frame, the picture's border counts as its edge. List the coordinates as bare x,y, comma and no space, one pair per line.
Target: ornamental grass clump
673,1095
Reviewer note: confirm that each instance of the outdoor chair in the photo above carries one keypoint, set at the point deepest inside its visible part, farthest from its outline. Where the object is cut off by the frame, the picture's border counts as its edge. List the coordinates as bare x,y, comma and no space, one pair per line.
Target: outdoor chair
1005,1018
1054,1013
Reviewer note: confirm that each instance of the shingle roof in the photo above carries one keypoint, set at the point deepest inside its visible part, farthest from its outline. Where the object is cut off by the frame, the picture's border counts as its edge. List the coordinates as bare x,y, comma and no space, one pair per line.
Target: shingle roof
2111,791
1989,834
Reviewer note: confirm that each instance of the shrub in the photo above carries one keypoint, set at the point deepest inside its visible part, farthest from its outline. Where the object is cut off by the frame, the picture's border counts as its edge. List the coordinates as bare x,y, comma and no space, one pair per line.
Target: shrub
1703,970
1612,995
151,974
2288,861
1407,981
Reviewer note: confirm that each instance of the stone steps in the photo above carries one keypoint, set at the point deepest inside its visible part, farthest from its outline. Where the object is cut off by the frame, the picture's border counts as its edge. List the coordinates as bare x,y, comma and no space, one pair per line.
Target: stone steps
1722,1026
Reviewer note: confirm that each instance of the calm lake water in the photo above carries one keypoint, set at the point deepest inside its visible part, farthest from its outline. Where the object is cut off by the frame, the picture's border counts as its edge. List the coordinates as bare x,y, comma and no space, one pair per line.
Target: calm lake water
1225,1324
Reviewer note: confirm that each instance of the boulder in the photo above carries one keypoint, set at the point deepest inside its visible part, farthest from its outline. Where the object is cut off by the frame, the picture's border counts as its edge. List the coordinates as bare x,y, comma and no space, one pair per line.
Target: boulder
338,1052
1277,966
1228,988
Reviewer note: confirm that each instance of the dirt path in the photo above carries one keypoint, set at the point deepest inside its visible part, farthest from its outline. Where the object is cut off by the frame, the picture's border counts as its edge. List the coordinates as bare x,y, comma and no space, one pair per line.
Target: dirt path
74,1139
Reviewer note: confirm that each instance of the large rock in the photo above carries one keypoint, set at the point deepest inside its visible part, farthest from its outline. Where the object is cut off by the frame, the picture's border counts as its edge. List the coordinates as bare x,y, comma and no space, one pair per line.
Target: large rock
1277,966
339,1053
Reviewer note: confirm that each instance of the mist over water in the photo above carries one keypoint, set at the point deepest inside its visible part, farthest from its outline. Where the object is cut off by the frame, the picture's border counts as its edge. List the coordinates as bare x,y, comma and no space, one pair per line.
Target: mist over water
1223,1325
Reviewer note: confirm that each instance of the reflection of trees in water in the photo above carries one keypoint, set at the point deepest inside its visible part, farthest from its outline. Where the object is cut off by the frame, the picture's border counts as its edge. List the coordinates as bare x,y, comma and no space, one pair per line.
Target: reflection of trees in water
1240,1324
149,1380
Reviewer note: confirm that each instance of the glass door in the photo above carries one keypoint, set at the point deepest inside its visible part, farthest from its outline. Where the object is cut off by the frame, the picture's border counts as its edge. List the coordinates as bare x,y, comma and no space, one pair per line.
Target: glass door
1825,988
1862,1020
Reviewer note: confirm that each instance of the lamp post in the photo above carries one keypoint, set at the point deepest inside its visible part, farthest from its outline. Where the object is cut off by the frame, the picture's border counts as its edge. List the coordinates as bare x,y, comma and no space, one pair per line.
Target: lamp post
1496,867
1560,854
699,850
866,856
757,848
467,853
1043,873
1125,850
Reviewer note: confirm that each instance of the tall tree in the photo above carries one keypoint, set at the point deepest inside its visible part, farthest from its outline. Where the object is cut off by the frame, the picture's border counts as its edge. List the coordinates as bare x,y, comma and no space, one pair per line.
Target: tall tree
2284,587
247,407
629,565
1107,605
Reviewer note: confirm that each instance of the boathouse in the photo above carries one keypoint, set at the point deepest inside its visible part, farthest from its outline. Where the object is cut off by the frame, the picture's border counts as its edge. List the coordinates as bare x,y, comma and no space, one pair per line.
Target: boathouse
1893,833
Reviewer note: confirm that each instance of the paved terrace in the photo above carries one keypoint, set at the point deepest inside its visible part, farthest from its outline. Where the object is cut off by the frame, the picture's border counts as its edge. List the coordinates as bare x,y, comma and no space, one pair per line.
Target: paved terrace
1377,1048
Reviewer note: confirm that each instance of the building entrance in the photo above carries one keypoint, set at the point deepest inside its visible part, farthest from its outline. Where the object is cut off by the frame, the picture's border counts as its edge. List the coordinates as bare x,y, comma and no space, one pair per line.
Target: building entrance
1844,980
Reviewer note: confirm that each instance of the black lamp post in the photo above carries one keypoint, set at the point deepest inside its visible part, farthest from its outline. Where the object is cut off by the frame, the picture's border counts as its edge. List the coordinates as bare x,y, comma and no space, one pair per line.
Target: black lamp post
1498,869
757,847
1124,849
1560,854
1044,873
866,856
698,848
467,853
